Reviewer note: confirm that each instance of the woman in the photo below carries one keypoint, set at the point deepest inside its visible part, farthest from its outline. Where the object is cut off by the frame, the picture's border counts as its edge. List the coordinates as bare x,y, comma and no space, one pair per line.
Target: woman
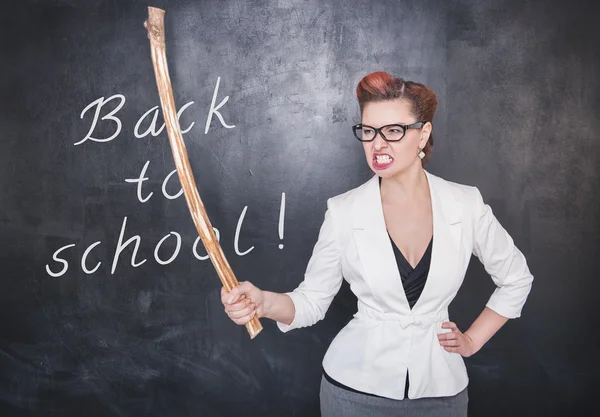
403,241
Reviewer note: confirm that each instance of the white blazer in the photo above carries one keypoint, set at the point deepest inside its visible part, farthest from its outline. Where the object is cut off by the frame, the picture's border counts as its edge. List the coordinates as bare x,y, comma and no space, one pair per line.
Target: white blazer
373,352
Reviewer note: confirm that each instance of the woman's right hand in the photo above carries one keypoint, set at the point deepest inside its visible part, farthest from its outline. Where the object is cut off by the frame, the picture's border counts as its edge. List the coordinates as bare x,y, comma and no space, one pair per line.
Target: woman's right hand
243,302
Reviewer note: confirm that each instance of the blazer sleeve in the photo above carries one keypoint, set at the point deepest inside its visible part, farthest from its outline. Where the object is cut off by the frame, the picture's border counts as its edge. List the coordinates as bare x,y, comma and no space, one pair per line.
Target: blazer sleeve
504,262
322,279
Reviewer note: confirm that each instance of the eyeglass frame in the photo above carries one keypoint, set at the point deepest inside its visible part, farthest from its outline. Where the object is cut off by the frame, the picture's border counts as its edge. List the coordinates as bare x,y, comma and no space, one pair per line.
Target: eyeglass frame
378,130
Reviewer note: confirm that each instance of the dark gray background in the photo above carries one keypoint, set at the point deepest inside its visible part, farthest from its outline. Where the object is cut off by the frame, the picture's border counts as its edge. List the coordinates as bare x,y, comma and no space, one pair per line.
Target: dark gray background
518,87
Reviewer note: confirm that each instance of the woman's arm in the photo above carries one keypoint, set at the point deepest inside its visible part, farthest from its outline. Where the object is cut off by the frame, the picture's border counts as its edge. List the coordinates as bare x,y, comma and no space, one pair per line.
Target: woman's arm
303,306
246,300
322,280
484,327
502,260
508,269
471,341
279,307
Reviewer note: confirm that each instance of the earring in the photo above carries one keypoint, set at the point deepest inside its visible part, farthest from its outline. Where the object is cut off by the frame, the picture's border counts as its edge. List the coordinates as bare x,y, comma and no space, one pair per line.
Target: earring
421,154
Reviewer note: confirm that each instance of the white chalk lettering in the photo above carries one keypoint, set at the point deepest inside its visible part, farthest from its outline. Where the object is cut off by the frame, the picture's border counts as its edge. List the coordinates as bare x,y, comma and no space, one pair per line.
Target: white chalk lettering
164,187
57,259
152,128
215,110
281,218
180,112
195,246
110,116
139,181
237,234
84,257
121,246
175,253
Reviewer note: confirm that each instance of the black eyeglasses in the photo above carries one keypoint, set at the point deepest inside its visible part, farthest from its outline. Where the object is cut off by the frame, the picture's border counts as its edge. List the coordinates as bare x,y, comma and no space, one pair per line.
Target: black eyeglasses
389,133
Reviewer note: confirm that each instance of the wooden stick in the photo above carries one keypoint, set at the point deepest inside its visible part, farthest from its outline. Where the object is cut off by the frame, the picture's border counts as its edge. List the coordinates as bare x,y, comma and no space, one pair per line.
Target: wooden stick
156,33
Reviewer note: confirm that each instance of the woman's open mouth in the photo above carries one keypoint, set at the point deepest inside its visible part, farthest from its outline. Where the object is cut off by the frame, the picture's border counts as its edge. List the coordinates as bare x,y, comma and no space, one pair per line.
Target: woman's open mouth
382,161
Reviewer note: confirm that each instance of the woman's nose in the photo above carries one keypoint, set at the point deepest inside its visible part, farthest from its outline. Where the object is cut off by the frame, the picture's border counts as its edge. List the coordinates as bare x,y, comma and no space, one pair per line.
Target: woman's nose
378,142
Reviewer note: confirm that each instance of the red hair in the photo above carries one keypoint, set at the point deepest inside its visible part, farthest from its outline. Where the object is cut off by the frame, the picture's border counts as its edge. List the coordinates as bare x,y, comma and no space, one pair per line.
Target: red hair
381,86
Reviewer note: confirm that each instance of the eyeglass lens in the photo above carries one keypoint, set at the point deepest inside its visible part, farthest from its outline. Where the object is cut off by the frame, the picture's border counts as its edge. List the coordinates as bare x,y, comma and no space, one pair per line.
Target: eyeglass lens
390,132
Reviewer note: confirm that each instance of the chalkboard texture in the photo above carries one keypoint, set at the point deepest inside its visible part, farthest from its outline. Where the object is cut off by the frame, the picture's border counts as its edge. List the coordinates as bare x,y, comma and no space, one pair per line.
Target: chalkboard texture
108,304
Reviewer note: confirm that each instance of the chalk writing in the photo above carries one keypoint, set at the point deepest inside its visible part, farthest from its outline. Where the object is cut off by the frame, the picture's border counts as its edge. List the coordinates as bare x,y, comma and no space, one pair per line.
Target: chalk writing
146,126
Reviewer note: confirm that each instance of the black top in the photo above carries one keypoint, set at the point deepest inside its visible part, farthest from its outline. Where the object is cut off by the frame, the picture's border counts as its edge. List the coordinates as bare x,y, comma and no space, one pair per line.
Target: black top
413,279
413,282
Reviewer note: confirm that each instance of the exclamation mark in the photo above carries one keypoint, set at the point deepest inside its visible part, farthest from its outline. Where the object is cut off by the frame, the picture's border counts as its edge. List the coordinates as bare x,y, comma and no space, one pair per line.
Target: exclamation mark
281,218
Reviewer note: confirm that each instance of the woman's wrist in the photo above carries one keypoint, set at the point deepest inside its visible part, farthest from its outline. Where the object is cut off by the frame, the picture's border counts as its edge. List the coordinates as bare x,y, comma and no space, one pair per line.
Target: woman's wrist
278,307
475,347
267,304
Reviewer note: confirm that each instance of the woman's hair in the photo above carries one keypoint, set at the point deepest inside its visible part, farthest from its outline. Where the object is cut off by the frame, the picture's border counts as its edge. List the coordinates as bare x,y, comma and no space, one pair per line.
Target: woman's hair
381,86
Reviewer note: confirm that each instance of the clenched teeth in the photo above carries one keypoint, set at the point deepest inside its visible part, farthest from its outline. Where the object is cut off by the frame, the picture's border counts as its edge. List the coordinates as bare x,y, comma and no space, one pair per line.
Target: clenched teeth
383,159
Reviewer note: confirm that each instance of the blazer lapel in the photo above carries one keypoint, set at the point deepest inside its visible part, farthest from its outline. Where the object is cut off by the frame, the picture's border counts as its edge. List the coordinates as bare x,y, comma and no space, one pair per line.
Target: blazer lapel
377,256
445,253
375,249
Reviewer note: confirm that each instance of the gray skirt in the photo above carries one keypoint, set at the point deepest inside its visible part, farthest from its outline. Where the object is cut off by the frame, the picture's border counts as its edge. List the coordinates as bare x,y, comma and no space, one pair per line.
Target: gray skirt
338,402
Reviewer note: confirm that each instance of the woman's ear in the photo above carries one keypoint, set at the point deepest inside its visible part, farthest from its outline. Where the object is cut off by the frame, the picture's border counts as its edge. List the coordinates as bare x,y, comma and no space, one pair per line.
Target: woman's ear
425,133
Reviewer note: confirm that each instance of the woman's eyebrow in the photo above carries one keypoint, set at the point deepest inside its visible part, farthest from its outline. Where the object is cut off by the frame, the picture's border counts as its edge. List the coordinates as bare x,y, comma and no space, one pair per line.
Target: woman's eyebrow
387,124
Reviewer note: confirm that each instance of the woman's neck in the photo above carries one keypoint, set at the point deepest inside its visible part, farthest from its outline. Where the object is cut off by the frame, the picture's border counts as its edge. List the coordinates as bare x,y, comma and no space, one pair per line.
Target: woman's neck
405,186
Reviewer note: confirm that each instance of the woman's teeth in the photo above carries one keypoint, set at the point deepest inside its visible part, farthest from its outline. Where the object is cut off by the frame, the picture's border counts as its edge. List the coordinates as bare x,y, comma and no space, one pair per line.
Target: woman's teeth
383,159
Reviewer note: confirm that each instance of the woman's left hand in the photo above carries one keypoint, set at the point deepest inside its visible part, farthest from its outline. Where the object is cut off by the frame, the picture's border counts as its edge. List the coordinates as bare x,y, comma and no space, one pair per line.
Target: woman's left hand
456,341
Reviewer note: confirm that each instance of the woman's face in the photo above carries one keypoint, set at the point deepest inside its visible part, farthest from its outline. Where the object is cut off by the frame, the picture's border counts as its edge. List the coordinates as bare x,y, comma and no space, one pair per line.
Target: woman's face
387,159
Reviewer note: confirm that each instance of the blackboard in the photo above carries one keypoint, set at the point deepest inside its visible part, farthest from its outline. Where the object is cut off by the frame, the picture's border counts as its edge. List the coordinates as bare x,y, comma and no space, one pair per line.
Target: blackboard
139,330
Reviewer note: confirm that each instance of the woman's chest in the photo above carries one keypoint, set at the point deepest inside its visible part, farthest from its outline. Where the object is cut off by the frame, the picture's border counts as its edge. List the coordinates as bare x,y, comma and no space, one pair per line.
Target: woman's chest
369,264
411,229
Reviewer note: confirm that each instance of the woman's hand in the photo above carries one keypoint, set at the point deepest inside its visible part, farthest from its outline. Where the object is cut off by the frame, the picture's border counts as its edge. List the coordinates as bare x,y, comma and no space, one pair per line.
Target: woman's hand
456,341
243,302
